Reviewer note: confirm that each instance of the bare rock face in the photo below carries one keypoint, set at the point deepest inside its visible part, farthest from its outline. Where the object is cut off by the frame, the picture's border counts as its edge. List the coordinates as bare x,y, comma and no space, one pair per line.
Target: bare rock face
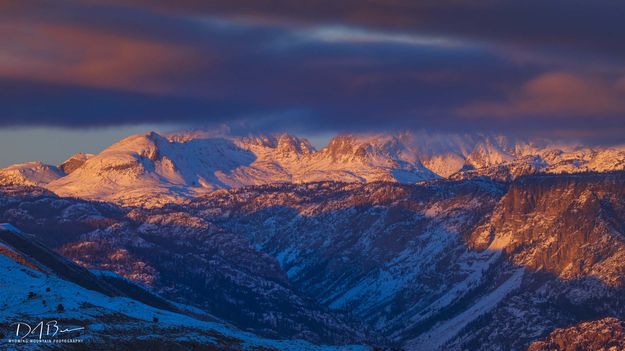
74,162
567,232
606,334
569,225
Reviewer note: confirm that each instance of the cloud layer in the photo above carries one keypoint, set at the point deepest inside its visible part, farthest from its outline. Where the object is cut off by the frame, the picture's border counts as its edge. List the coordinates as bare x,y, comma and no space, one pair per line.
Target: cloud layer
533,67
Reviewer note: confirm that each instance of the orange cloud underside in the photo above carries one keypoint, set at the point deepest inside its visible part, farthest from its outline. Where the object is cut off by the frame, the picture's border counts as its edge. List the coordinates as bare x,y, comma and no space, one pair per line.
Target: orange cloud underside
63,53
557,93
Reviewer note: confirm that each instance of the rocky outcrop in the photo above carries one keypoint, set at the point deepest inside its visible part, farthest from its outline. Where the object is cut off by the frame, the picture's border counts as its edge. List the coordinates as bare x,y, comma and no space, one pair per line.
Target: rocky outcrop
569,225
606,334
74,162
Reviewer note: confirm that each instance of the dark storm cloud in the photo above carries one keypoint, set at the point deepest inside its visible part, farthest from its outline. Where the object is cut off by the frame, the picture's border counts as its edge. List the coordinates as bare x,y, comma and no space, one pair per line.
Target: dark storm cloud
595,27
317,65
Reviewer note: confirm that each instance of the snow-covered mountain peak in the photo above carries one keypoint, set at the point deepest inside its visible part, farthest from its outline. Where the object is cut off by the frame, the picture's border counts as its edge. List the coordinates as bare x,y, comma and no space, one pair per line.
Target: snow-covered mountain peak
32,173
364,147
288,143
489,152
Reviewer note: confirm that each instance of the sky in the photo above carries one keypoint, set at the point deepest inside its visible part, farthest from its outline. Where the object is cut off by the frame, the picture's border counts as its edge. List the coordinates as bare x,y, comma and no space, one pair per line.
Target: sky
78,75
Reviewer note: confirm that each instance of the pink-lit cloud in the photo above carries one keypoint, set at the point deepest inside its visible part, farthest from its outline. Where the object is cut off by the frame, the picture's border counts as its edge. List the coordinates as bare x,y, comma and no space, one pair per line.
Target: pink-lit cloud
84,56
557,95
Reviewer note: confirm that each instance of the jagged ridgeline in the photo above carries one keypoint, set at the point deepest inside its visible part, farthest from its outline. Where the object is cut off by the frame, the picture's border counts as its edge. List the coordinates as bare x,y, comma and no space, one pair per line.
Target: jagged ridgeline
154,169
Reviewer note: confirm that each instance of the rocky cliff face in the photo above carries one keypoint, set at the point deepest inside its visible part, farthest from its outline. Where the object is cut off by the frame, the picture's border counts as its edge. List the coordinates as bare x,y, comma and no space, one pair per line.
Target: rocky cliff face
74,162
572,226
567,232
604,334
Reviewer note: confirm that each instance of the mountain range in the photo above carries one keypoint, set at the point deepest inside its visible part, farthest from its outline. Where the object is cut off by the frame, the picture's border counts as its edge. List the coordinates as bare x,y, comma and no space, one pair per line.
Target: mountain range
394,242
153,169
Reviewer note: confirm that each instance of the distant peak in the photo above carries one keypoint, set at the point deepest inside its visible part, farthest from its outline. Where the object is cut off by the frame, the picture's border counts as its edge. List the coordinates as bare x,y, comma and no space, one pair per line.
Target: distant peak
283,142
291,143
350,146
34,173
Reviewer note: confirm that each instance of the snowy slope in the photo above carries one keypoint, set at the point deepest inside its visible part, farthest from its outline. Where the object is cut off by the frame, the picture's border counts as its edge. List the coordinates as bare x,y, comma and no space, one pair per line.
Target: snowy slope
170,167
156,168
388,253
185,259
442,332
32,289
363,158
